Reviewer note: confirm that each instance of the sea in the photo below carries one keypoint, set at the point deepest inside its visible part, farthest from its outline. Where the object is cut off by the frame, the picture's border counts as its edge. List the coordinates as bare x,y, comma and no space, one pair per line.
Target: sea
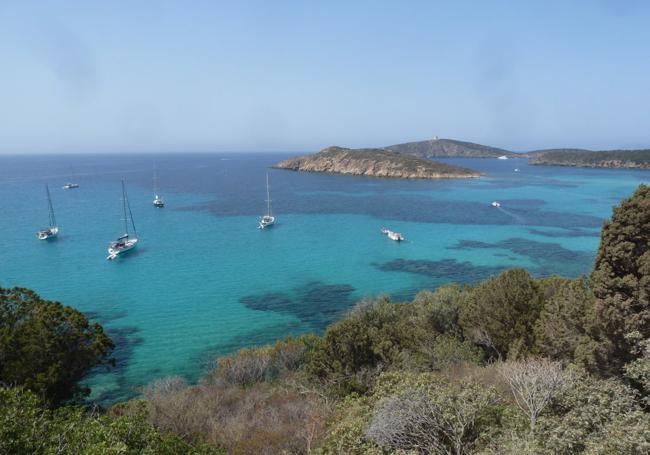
204,281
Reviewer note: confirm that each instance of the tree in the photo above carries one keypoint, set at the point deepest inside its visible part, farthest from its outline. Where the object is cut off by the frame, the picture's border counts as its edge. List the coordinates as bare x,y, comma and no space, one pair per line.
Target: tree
500,313
562,325
47,347
621,282
639,369
375,335
534,383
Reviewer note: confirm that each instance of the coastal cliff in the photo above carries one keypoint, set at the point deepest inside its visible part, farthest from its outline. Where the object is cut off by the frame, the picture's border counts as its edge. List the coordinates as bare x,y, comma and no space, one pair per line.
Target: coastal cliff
374,163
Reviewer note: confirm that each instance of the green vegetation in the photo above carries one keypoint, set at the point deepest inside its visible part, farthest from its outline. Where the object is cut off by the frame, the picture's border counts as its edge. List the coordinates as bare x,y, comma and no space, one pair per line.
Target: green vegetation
513,365
439,148
28,427
587,158
47,347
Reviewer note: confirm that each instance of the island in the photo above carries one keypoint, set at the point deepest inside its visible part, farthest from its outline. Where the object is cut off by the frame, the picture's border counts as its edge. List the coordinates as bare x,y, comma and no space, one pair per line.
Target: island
450,148
375,163
616,159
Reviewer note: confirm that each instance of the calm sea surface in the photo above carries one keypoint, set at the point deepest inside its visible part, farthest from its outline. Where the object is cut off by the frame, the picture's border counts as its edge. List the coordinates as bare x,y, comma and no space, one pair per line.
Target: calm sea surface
205,281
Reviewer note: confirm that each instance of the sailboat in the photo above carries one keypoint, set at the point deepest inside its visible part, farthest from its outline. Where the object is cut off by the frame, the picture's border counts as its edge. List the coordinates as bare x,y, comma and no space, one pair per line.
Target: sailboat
157,200
126,242
52,231
268,219
70,186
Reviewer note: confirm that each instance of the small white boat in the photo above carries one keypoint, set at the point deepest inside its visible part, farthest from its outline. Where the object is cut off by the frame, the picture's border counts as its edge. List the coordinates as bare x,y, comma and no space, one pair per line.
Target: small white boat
496,204
52,231
268,219
125,242
502,157
71,186
157,200
516,169
392,235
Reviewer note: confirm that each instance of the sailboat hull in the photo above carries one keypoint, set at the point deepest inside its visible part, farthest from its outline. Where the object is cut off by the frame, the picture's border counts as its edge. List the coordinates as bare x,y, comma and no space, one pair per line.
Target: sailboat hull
267,221
116,249
48,234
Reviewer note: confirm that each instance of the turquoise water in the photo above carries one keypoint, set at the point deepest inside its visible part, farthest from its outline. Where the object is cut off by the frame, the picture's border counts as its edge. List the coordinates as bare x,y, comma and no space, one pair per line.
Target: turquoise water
205,281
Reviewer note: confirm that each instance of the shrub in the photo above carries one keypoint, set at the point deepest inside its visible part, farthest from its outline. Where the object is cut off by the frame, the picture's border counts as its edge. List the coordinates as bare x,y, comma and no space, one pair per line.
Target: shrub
432,416
27,427
47,347
562,325
499,314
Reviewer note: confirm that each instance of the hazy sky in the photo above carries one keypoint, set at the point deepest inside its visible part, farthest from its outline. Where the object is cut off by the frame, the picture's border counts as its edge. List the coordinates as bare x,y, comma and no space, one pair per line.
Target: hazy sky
277,75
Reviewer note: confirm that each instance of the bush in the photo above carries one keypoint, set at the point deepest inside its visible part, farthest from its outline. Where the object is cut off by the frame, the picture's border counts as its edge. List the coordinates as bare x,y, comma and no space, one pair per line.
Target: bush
371,338
249,366
500,314
27,427
562,325
47,347
432,416
259,419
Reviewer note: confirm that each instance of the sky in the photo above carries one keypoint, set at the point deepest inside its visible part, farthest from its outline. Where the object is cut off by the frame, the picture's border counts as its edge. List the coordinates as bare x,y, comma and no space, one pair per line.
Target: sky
173,76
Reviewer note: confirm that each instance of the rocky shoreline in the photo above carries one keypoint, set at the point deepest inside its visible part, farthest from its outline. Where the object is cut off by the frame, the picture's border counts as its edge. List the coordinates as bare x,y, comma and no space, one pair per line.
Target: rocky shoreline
374,163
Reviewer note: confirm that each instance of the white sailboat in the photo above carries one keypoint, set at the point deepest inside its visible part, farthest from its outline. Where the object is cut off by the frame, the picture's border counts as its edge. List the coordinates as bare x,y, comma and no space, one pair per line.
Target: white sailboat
53,230
157,200
125,242
268,219
70,186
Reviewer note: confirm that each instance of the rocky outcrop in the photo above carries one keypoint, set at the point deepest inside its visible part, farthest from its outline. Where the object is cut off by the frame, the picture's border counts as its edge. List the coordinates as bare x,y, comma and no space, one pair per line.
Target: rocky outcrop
375,163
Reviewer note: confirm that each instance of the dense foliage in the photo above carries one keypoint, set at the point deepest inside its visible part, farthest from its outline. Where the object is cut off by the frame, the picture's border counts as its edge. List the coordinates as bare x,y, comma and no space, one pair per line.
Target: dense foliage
27,427
47,347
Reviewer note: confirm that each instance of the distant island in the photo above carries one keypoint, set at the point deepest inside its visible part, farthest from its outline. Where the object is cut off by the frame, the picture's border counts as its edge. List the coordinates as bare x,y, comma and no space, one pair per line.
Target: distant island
450,148
617,159
375,163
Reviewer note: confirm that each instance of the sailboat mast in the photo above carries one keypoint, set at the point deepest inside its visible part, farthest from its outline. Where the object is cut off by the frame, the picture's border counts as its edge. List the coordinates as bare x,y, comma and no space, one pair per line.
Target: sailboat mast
49,206
268,196
128,205
155,180
126,221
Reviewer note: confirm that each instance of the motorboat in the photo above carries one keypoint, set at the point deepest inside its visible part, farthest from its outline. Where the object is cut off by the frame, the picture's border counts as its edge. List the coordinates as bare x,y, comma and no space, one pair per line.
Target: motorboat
392,235
496,204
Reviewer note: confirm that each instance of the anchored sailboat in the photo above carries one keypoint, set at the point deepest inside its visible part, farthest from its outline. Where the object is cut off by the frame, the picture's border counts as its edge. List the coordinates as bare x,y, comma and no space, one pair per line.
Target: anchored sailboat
52,231
70,186
157,200
127,241
268,219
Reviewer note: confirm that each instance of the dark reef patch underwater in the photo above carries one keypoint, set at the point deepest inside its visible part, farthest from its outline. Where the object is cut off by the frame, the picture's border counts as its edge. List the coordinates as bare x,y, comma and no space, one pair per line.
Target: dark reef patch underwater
315,303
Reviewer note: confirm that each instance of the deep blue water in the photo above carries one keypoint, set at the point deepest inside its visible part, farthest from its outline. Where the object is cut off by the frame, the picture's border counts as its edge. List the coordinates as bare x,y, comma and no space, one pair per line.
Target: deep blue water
205,281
